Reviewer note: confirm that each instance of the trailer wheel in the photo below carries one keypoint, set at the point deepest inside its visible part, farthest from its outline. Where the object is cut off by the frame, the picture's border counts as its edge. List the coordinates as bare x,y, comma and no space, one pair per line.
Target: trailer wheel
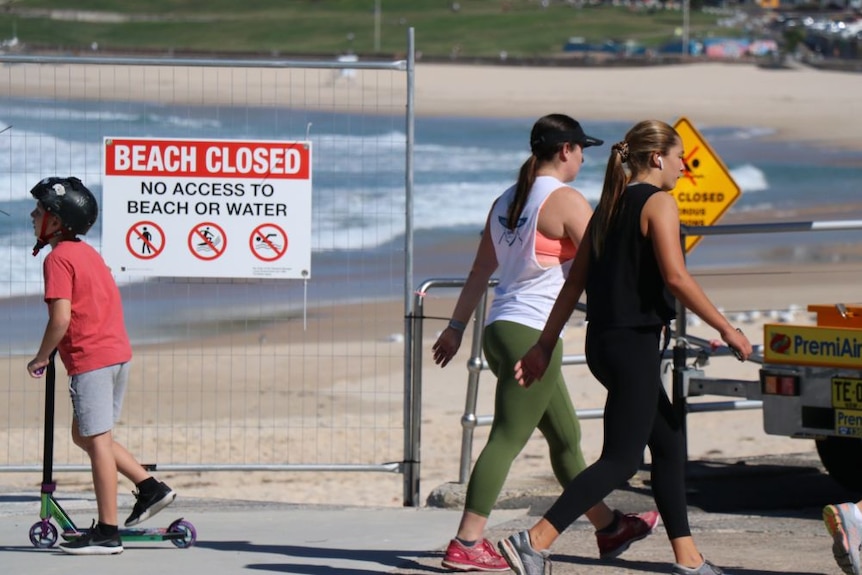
841,456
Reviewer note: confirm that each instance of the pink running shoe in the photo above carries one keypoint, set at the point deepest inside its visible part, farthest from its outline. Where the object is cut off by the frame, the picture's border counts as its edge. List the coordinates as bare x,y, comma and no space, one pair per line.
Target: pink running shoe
630,528
480,557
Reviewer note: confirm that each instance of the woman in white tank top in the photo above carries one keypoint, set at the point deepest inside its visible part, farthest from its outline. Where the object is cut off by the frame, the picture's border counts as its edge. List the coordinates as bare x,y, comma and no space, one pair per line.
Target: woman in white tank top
539,210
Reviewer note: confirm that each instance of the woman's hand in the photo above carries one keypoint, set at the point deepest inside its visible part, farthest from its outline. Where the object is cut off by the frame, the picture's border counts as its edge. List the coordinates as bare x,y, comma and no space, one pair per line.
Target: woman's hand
447,346
532,366
738,343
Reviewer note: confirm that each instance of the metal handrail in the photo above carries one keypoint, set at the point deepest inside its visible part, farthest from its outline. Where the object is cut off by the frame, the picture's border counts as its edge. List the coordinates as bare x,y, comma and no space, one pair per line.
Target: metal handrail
476,364
678,354
775,227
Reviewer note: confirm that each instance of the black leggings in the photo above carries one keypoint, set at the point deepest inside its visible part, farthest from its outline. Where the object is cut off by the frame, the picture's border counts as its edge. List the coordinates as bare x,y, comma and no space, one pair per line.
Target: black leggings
637,413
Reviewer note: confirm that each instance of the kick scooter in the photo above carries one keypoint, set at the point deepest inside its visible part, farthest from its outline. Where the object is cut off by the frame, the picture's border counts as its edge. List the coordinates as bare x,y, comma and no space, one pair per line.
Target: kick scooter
43,533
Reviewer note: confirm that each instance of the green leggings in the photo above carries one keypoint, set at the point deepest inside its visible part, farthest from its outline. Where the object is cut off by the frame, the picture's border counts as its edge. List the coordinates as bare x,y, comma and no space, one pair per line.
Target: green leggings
518,411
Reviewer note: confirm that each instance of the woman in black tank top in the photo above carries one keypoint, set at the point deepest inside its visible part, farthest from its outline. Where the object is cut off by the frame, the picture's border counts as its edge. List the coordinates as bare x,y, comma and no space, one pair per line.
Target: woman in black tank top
630,264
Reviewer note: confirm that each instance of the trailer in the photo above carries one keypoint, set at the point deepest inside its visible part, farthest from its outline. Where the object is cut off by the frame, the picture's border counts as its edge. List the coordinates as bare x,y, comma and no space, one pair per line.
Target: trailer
811,382
810,386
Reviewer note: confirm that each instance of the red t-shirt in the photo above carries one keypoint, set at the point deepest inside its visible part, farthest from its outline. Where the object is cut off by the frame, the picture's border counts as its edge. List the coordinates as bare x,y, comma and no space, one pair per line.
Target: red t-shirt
97,336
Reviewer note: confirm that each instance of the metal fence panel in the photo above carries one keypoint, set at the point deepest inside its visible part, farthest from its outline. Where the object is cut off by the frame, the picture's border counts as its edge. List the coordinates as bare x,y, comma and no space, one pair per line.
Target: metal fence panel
227,374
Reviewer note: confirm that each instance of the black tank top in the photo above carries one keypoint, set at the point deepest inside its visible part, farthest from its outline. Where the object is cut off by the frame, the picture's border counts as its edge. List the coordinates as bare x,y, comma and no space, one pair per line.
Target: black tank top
624,285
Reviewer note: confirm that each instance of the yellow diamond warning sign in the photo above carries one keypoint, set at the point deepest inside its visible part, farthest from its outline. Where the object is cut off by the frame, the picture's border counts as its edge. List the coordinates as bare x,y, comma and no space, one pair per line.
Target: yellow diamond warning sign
705,190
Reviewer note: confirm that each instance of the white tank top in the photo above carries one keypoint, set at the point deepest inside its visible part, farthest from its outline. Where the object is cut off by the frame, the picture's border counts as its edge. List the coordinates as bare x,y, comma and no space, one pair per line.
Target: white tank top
527,290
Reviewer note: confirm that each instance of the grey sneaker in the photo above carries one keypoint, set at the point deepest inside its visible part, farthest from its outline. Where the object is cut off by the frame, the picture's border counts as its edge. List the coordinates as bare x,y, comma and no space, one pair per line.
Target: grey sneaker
522,558
706,568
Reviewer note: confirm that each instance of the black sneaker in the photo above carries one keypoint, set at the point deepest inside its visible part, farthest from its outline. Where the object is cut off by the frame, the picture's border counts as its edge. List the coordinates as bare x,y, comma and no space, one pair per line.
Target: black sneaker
150,503
93,543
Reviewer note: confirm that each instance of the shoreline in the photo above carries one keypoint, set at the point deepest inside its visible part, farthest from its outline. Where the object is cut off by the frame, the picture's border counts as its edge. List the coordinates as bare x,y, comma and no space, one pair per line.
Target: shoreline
164,314
774,276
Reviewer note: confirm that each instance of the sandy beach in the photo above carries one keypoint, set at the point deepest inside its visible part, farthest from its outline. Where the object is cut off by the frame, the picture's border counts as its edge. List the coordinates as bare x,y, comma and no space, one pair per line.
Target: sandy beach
799,104
298,435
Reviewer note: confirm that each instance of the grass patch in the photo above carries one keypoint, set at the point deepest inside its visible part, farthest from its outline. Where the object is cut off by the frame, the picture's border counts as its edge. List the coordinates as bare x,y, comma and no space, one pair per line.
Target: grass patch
480,28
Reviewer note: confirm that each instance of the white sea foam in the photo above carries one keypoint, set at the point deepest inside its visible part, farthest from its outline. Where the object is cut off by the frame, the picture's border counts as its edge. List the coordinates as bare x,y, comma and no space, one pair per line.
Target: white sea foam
751,133
49,113
749,178
27,157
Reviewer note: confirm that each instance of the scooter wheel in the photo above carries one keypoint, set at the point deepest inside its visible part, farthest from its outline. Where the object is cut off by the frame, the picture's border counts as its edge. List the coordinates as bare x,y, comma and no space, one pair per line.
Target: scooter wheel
43,534
187,529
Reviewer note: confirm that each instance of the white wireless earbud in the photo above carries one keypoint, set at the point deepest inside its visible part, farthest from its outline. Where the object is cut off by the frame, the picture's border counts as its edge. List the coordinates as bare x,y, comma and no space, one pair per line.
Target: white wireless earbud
660,163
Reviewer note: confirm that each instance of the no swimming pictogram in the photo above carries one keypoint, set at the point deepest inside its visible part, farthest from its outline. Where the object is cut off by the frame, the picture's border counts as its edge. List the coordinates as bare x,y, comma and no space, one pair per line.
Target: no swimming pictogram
145,240
268,242
207,241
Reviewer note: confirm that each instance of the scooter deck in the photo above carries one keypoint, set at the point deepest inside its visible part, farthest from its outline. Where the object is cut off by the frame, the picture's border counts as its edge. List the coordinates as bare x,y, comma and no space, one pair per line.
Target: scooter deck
134,534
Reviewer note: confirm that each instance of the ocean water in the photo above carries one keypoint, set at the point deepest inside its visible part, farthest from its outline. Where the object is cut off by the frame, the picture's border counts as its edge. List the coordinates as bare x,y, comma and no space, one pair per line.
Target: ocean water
461,165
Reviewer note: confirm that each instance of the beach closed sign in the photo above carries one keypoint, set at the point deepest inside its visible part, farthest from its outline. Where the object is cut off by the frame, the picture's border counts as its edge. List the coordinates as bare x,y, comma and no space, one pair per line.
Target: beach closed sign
706,189
207,208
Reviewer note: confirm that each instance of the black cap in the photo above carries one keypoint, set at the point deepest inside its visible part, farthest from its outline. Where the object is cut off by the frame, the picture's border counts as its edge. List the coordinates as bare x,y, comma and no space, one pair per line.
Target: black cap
575,135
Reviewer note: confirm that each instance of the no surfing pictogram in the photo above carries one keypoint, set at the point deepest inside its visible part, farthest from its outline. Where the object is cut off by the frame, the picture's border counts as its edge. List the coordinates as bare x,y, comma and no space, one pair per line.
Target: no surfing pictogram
207,241
268,242
145,240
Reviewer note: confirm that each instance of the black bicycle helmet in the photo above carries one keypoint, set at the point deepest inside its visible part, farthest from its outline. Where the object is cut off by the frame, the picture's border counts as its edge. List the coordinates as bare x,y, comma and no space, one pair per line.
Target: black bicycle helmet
70,201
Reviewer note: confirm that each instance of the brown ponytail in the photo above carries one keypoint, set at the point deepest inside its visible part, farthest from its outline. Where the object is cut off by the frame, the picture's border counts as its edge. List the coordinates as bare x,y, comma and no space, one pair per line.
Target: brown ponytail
634,151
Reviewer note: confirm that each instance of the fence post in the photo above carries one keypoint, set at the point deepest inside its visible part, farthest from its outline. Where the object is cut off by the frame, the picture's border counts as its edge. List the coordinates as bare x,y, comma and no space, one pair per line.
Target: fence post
413,313
413,325
680,354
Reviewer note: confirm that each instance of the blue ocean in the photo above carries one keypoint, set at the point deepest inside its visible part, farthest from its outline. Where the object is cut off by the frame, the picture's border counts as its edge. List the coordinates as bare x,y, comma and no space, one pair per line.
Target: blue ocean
460,166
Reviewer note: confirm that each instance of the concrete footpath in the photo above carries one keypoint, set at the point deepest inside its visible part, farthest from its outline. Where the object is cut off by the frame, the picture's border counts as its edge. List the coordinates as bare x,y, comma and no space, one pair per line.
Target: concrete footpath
237,537
783,534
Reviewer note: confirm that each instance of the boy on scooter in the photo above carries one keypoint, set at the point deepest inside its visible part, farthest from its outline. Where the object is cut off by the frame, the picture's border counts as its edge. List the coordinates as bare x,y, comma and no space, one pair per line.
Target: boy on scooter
85,324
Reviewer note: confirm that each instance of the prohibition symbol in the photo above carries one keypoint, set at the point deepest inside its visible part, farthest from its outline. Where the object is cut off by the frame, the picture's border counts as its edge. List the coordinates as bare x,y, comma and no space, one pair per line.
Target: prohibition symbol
268,242
207,241
145,240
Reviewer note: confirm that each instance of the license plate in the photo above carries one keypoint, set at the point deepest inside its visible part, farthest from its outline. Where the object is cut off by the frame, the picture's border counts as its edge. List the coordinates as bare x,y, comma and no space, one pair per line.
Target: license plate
848,422
846,393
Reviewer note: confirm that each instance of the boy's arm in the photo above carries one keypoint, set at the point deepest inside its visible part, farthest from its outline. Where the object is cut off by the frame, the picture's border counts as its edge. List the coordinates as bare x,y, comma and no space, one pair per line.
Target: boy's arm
59,317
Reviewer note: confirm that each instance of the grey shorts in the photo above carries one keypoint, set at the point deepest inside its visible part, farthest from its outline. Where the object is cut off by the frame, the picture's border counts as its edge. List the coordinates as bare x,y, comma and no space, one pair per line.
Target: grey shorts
97,398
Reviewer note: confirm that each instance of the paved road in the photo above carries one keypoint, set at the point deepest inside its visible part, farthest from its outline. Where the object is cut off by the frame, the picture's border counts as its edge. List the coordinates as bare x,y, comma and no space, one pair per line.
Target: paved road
756,517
